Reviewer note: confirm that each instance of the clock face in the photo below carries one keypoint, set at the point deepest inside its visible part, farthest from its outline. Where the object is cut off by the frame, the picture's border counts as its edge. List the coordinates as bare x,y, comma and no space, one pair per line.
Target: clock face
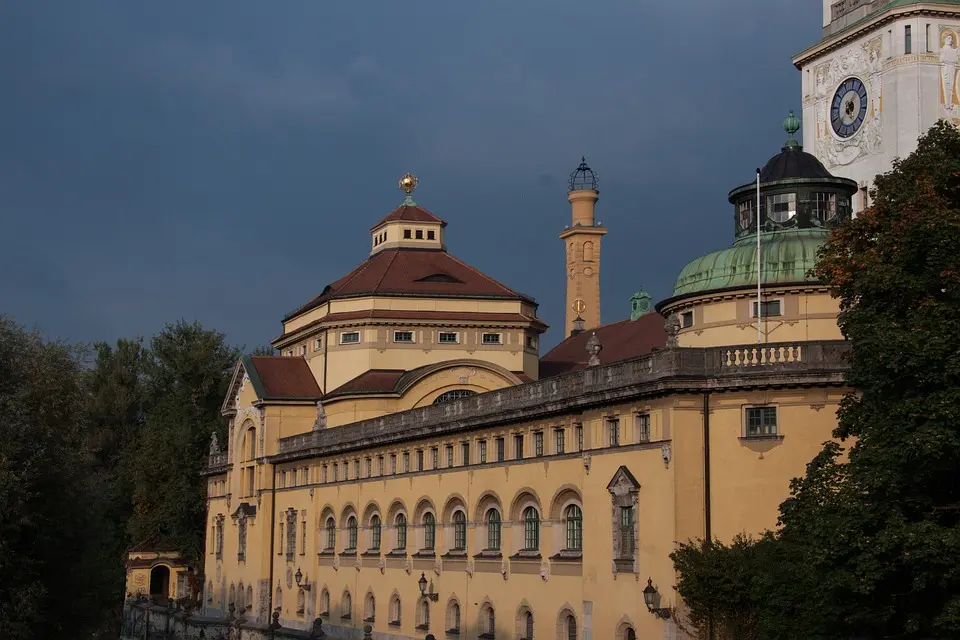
848,108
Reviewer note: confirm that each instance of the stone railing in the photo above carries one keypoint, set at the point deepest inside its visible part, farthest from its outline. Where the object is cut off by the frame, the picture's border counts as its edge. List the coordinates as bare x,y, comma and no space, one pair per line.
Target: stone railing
687,369
143,619
217,462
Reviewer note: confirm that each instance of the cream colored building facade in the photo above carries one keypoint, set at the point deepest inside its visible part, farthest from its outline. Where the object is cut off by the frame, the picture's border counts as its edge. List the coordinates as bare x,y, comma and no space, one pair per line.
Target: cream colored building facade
411,433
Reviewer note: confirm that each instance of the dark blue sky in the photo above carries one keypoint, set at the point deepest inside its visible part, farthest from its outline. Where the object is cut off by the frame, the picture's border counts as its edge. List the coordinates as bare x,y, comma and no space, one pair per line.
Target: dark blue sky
223,161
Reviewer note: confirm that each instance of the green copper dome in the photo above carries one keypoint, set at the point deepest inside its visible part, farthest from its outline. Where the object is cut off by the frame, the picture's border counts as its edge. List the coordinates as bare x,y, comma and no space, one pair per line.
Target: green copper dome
786,257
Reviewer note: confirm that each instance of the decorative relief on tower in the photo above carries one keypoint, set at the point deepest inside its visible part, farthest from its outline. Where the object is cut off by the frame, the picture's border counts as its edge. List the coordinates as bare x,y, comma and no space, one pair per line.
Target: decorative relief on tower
848,102
949,100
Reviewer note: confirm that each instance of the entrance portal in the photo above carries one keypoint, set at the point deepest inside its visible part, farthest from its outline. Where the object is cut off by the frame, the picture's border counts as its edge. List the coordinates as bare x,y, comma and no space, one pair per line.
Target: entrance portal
160,581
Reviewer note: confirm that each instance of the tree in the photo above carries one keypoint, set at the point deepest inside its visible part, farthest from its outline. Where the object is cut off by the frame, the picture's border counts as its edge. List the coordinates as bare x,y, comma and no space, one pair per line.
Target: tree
263,350
45,521
870,536
188,370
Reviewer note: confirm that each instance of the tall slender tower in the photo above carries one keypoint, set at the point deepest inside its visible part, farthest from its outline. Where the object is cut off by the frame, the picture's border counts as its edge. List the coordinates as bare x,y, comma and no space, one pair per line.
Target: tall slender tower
582,241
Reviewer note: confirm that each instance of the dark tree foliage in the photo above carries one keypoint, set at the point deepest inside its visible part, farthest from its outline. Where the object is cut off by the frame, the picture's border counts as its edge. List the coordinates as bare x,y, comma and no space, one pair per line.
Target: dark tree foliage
49,505
263,350
871,533
187,372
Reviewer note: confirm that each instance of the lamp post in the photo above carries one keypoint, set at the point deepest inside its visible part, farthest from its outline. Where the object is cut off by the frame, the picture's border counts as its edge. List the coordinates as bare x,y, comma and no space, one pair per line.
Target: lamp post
651,598
299,578
431,595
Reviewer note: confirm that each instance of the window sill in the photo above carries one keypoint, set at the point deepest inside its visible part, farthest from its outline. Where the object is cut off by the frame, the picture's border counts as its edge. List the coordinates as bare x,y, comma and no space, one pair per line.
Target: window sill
454,633
346,616
348,553
327,553
527,554
394,623
425,553
324,614
762,438
624,565
397,553
567,556
486,636
422,627
370,619
456,554
489,554
372,553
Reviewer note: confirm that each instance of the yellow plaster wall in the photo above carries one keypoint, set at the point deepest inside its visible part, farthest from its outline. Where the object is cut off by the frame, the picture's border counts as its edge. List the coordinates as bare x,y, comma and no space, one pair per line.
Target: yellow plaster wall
727,320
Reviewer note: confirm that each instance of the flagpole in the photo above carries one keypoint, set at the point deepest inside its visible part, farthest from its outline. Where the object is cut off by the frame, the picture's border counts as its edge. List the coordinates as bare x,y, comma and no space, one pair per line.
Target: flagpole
759,272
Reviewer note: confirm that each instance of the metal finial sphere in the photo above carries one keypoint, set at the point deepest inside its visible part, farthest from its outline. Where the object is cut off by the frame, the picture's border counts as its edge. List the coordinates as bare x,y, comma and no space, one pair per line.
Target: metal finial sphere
791,124
583,177
408,183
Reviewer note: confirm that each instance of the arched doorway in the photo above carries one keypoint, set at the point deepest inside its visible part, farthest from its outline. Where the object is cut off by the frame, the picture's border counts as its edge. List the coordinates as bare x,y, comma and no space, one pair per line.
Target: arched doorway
160,580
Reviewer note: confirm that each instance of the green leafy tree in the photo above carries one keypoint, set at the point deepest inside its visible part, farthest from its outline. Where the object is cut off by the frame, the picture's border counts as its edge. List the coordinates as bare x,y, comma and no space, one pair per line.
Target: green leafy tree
45,492
263,350
870,537
187,372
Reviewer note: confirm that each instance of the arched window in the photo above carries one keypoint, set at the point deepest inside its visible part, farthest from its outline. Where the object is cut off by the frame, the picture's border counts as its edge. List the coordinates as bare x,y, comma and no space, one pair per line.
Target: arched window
369,608
571,628
395,610
331,534
588,251
352,532
278,598
429,531
453,618
241,592
401,531
574,528
301,603
493,530
459,531
531,529
346,606
456,394
233,595
210,591
488,621
528,626
630,634
325,603
249,600
375,533
251,443
423,615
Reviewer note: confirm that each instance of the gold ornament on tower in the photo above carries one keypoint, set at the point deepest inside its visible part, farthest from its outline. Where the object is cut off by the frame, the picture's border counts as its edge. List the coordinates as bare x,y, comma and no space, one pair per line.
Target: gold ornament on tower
579,306
408,183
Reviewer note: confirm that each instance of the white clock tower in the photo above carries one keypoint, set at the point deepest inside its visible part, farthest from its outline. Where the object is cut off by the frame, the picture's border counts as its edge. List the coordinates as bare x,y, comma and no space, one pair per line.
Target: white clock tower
883,73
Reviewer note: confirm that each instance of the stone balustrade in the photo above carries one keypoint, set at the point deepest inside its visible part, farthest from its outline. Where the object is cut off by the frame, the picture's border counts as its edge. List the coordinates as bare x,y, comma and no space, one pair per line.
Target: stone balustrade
677,369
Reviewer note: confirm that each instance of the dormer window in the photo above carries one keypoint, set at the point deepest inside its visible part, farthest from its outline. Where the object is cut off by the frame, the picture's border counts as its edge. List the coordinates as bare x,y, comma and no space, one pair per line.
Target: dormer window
419,234
406,234
431,235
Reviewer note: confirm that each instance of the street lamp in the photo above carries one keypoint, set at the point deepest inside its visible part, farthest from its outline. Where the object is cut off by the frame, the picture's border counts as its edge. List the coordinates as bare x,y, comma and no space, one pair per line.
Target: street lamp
299,578
422,582
651,597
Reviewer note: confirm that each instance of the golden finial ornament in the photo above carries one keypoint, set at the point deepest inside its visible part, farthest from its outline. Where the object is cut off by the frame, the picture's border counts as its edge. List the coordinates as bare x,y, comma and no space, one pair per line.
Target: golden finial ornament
408,183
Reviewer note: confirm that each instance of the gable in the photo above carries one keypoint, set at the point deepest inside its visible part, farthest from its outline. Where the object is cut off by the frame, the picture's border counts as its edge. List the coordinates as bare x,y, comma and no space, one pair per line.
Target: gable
623,482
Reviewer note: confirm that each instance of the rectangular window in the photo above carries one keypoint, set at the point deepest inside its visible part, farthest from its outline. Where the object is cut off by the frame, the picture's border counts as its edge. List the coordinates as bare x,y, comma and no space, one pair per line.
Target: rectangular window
768,308
928,39
613,428
824,206
346,470
538,443
449,337
500,449
626,533
356,469
419,234
449,455
761,421
369,467
686,319
380,465
336,472
290,353
303,349
465,453
406,462
350,337
435,457
393,463
782,207
560,436
482,445
406,234
907,40
492,338
403,336
419,459
303,538
643,427
323,473
579,437
518,446
431,235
